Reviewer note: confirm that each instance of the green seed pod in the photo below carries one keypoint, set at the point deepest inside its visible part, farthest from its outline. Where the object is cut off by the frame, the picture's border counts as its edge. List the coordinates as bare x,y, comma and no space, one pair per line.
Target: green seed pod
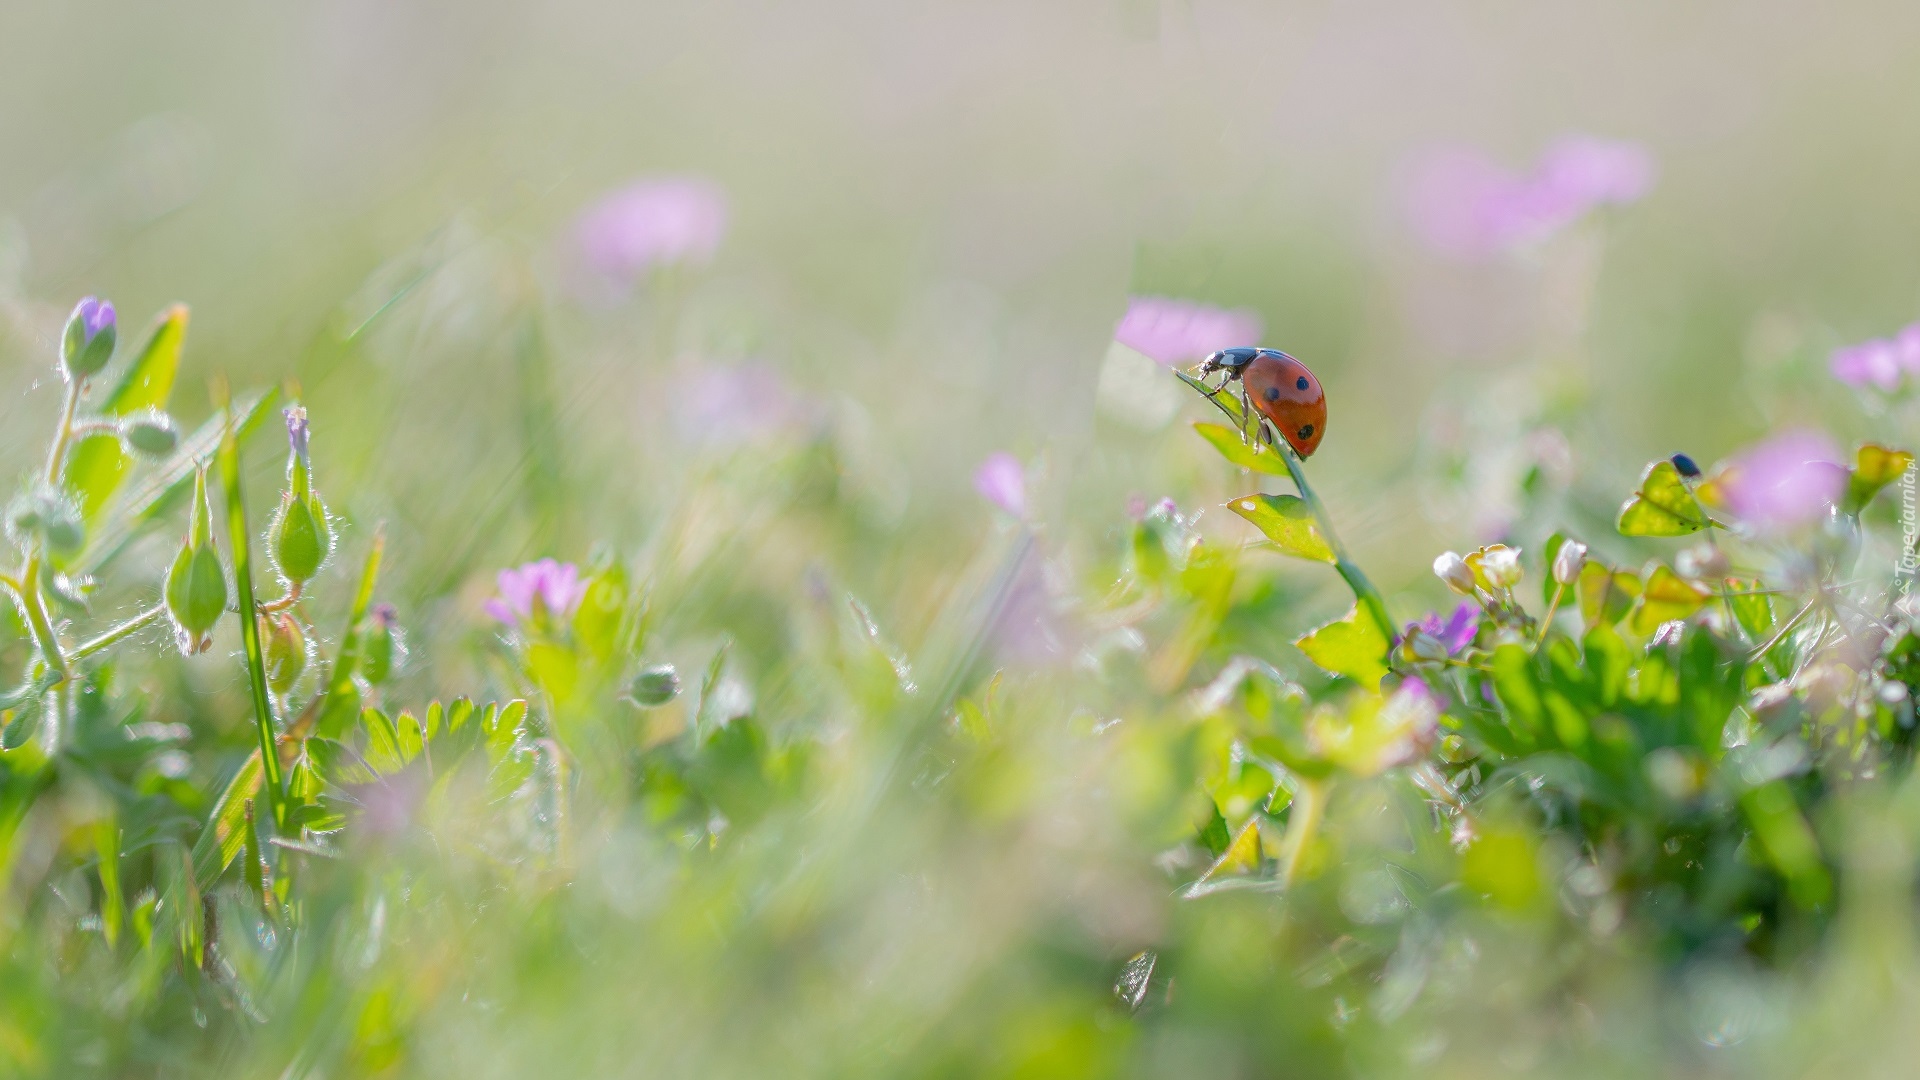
150,434
654,686
381,648
87,345
301,538
196,590
286,649
48,518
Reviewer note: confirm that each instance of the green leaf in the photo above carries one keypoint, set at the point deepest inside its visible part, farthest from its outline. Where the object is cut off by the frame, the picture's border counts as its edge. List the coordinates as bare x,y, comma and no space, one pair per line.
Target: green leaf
1751,607
1667,597
1663,506
225,832
1247,455
1606,595
1288,522
1874,468
1352,646
384,752
1517,686
153,494
342,702
97,464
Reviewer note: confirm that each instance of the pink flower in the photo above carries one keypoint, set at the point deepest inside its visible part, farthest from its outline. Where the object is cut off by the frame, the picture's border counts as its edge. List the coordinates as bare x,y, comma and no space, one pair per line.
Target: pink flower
1458,631
654,222
1880,362
1465,205
1003,482
537,590
1788,480
740,403
1181,331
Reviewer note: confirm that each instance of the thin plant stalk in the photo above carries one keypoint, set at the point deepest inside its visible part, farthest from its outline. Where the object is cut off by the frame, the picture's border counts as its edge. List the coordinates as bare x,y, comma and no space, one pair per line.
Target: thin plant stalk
238,538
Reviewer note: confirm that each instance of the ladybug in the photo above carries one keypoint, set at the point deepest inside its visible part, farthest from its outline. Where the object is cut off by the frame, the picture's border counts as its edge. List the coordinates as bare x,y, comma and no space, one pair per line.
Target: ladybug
1279,388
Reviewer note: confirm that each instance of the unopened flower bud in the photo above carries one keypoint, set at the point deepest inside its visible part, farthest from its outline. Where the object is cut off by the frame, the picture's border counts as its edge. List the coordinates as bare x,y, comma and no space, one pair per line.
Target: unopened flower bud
654,685
301,537
1453,570
196,590
1702,562
150,433
49,519
286,650
1568,561
87,344
381,647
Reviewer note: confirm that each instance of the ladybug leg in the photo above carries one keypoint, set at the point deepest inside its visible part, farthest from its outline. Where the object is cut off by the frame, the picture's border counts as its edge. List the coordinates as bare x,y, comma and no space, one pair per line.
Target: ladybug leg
1247,415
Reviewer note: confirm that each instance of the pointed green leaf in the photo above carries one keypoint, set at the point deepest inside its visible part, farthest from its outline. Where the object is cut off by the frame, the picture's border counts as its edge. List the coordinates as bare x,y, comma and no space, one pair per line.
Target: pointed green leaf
1247,455
1352,646
1288,523
1751,607
224,835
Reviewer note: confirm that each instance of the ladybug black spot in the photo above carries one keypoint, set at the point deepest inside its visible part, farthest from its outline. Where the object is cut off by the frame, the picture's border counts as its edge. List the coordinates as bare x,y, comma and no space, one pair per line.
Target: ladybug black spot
1306,431
1300,383
1272,393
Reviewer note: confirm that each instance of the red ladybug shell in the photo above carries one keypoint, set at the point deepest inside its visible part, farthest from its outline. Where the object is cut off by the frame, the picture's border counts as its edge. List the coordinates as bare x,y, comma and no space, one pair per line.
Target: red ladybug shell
1289,396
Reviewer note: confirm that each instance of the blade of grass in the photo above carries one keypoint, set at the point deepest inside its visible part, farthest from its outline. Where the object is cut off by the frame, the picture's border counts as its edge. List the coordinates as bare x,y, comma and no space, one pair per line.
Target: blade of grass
239,539
335,707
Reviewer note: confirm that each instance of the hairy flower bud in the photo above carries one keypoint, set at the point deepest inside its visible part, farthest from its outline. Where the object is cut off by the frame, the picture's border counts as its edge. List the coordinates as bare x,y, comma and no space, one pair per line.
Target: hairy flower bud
150,433
301,537
381,647
654,685
286,649
87,344
1568,561
196,592
1421,647
1453,570
49,519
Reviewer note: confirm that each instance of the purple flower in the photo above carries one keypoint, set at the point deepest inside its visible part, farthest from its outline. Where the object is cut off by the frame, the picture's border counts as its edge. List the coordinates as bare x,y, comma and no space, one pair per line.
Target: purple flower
537,589
385,614
740,403
95,315
1785,481
654,222
1458,631
297,430
1466,206
1181,331
1003,482
1881,362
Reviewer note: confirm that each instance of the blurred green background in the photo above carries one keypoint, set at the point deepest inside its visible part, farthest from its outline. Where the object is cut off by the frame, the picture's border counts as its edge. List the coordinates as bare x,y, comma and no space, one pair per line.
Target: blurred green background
938,213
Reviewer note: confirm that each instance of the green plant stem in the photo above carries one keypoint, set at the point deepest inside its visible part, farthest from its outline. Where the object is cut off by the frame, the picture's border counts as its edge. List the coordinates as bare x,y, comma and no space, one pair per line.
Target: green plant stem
35,608
238,539
119,632
1785,629
1363,590
57,453
1553,608
1309,807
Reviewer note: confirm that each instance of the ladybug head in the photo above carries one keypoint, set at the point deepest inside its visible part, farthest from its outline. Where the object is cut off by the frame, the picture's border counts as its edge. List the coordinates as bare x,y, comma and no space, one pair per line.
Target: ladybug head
1231,361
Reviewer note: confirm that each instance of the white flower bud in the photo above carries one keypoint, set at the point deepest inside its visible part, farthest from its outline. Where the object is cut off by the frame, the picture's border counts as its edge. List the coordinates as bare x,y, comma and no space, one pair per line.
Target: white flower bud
1452,569
1568,561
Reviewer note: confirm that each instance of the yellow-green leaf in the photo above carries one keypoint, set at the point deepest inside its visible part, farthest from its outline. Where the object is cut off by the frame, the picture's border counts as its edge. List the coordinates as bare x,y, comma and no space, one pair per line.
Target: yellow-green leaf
1247,455
1874,467
1662,507
1668,596
1241,856
1605,594
1352,646
1287,522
